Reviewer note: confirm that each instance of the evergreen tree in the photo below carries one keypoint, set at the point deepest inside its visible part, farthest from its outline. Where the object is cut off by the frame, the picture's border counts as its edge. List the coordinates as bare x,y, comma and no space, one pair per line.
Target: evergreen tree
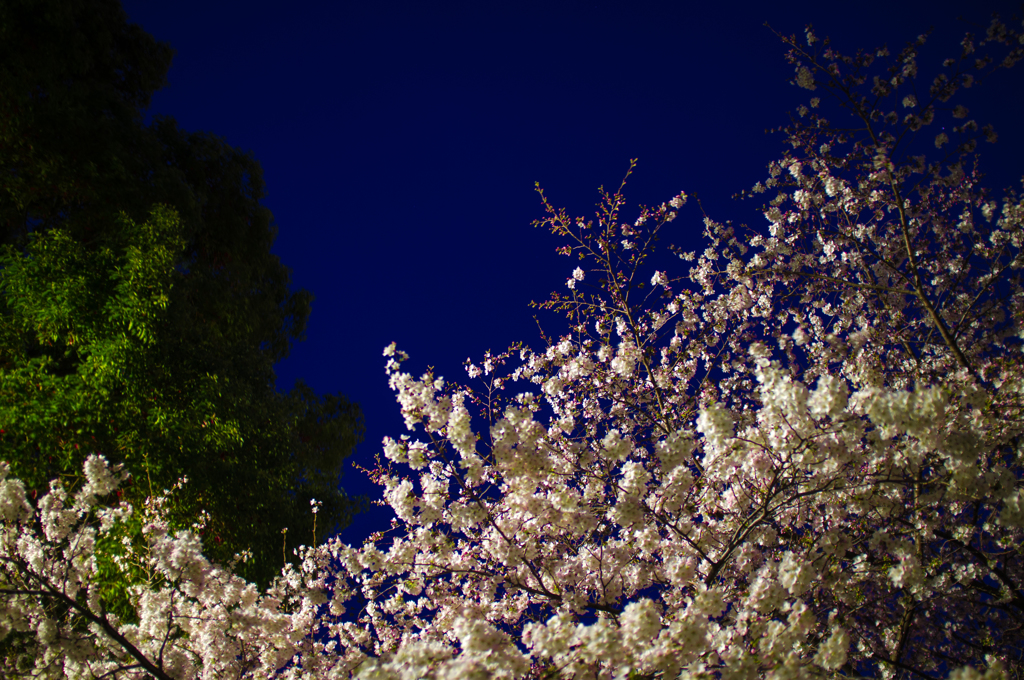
141,311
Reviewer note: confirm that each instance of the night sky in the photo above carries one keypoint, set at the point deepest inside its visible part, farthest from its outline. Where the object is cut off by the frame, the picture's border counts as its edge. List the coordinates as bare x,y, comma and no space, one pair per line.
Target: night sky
400,143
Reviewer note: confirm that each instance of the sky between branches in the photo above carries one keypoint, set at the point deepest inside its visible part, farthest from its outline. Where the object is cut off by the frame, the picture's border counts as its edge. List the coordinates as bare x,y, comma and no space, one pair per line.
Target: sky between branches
400,142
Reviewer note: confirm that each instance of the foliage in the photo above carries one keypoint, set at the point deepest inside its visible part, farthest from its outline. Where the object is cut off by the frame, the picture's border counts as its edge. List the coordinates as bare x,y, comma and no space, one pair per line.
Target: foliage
164,363
808,463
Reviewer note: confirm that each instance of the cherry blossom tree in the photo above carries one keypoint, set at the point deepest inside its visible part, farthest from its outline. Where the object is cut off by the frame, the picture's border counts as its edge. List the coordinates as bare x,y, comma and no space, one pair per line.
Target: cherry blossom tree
798,456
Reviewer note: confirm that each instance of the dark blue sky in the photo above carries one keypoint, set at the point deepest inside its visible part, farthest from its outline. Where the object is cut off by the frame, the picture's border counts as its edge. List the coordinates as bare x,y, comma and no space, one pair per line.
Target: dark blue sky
400,142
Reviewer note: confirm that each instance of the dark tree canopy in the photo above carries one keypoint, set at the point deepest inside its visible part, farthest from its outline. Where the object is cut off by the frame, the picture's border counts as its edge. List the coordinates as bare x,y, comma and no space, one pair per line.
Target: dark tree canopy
141,311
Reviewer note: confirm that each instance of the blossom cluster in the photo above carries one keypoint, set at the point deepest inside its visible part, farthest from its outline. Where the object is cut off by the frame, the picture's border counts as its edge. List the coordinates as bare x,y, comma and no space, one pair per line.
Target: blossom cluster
800,457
